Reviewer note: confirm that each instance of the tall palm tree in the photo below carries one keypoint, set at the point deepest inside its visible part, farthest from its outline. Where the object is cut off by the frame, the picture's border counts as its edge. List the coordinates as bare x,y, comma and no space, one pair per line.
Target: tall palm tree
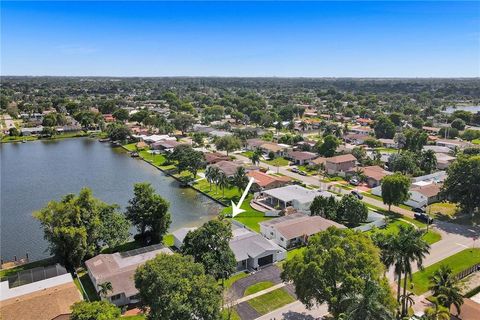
223,182
437,312
209,176
215,174
105,288
444,284
240,179
367,305
407,300
256,156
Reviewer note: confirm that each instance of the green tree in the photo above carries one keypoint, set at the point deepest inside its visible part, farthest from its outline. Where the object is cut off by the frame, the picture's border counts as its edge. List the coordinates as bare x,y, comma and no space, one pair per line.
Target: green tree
436,312
325,207
105,288
328,146
458,124
175,287
209,245
255,157
121,114
384,128
118,132
405,162
228,144
222,182
74,227
13,132
183,122
415,140
462,184
444,283
188,159
336,264
240,179
96,310
395,189
148,211
352,210
428,161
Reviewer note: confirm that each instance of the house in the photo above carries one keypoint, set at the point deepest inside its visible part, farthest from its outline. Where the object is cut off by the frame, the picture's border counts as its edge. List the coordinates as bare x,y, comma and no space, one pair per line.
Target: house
361,130
42,293
294,196
317,161
301,157
294,229
227,167
388,143
263,181
278,149
202,128
374,174
431,130
253,144
108,117
31,131
154,138
452,143
444,160
355,138
214,157
141,145
251,250
340,165
364,121
118,269
437,149
165,145
219,133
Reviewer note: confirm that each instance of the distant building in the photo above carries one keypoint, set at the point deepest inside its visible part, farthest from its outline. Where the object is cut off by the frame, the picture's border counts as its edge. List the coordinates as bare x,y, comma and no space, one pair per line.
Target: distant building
301,157
374,174
227,167
263,181
388,143
340,165
42,293
119,269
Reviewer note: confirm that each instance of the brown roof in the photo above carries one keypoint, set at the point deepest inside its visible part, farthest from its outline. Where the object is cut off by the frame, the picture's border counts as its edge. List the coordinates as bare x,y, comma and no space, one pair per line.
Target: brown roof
167,144
270,146
341,159
255,142
319,160
45,304
430,190
306,225
227,167
263,179
375,172
301,155
213,157
469,310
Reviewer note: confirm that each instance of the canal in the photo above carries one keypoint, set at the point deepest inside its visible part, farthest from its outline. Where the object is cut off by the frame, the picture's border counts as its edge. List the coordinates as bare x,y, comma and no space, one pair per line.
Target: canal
34,173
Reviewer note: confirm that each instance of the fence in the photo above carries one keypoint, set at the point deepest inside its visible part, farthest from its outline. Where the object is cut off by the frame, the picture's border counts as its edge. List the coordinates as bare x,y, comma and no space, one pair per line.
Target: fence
467,272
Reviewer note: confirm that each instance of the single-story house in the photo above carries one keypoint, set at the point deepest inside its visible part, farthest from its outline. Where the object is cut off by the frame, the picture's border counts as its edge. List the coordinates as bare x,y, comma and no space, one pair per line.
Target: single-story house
202,128
355,138
364,121
154,138
431,130
361,130
388,143
422,193
42,293
437,149
294,196
31,131
444,160
253,144
317,161
263,181
251,250
220,133
227,167
118,269
295,229
278,149
452,143
108,117
165,145
301,157
214,157
374,174
340,165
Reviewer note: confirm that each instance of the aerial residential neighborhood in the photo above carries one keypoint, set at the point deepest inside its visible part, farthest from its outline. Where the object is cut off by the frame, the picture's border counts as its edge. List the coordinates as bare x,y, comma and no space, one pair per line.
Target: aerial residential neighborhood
240,160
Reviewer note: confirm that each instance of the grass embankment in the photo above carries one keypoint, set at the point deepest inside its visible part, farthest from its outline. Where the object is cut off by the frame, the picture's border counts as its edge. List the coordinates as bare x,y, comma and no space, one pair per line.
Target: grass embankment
257,287
271,301
228,283
458,262
443,210
233,314
90,293
277,162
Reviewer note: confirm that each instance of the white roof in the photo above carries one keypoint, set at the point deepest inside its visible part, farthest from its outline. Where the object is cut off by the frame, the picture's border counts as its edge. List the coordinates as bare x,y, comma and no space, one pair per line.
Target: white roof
294,192
181,233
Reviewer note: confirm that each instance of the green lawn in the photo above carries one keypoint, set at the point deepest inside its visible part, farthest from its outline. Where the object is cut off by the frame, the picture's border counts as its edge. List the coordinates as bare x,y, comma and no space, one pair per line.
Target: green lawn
228,283
247,154
458,262
233,315
123,247
259,286
271,301
370,195
476,141
168,240
225,196
251,217
294,252
18,138
446,209
87,285
130,146
277,162
430,237
386,150
137,317
156,159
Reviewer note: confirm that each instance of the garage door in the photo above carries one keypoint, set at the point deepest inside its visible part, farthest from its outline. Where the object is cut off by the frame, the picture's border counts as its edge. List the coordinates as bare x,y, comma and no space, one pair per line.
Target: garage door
265,260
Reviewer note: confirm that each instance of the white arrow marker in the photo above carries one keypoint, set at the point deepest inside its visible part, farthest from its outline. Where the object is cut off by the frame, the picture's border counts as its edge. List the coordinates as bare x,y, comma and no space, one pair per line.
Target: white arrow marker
236,208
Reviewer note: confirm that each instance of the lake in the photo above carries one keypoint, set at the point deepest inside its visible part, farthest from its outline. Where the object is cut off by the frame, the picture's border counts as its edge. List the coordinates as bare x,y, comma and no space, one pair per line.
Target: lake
473,109
34,173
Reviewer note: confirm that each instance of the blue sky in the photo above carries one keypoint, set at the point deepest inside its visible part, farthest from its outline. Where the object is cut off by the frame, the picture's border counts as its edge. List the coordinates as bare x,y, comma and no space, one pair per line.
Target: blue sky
310,39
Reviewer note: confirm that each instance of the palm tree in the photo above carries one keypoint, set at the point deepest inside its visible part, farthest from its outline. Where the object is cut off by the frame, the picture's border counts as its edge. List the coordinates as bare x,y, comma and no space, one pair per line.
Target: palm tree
214,176
407,300
240,179
437,312
367,305
444,284
105,288
223,182
209,175
256,156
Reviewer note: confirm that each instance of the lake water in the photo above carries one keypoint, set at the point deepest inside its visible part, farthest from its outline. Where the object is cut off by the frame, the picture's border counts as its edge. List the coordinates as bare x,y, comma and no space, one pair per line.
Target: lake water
473,109
34,173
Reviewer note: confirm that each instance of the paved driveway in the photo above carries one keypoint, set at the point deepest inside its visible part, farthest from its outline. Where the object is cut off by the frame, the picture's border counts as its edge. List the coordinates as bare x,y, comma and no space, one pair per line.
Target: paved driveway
270,273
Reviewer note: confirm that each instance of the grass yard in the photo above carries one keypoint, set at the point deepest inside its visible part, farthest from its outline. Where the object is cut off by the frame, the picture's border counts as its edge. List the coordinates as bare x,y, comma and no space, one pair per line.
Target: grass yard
257,287
168,240
123,247
130,146
370,195
445,209
226,196
87,285
233,315
271,301
228,283
18,138
247,154
277,162
430,237
156,159
136,317
476,141
458,262
294,252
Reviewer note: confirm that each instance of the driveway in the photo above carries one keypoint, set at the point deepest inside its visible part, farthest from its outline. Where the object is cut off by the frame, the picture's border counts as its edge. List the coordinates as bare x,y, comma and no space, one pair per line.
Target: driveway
270,273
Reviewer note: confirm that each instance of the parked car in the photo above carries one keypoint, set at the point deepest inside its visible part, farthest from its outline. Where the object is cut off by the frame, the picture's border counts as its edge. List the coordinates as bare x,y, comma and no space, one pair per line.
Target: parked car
419,210
354,182
423,217
298,171
357,194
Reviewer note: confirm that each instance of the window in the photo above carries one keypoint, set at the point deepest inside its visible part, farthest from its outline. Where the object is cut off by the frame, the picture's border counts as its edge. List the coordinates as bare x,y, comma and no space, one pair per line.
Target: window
116,297
281,239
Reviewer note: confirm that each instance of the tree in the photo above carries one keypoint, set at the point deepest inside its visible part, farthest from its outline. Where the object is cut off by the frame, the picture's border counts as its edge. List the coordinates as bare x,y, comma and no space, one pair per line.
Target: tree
324,207
105,288
209,245
395,189
448,133
183,122
121,114
384,128
13,132
415,140
175,287
75,226
458,124
360,154
352,210
444,283
337,263
148,211
95,310
428,161
462,184
240,179
255,157
188,159
118,132
228,144
405,162
437,312
366,305
223,182
328,146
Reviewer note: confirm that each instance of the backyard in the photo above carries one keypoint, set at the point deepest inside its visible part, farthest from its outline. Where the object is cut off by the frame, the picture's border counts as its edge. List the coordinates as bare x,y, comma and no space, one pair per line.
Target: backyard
271,301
